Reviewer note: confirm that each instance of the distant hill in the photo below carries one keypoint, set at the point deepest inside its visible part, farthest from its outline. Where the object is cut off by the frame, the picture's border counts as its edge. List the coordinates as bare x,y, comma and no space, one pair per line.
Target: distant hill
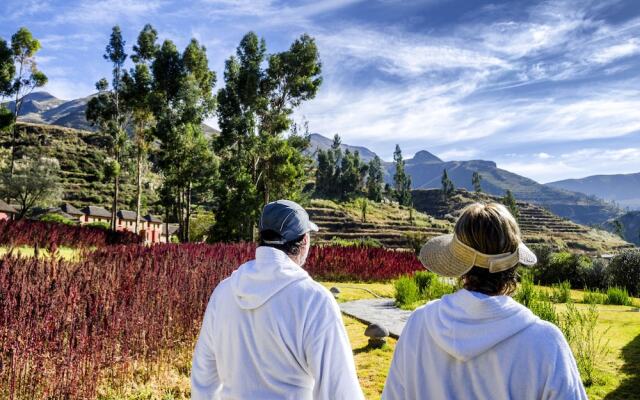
537,224
623,189
631,226
44,108
426,169
319,142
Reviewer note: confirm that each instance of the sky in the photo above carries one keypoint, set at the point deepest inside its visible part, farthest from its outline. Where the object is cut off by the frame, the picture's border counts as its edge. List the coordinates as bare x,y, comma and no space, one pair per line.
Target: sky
546,89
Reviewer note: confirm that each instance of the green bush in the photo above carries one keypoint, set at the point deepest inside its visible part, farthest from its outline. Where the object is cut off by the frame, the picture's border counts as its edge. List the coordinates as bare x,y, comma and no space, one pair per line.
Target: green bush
624,271
359,242
595,277
561,292
56,218
579,328
406,291
101,225
594,297
563,266
437,289
618,296
545,310
526,293
423,280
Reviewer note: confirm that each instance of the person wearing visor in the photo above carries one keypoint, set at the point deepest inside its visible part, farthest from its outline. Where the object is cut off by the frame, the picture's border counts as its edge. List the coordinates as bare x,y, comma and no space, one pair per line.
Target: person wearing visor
269,330
479,343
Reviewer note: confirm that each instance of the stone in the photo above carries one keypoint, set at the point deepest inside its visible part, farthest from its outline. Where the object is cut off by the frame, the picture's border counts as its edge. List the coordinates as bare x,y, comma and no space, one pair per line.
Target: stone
377,335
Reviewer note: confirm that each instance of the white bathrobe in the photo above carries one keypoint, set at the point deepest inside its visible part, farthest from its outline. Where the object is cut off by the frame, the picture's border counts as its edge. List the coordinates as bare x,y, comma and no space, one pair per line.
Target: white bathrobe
471,346
271,332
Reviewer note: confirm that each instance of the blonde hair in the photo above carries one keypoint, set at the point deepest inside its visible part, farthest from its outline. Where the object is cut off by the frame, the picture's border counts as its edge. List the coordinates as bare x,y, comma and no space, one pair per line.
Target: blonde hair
490,229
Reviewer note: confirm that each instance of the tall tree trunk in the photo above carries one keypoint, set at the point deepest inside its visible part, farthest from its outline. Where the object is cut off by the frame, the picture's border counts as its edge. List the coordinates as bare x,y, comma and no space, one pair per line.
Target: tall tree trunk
139,185
187,222
166,223
114,206
16,110
180,216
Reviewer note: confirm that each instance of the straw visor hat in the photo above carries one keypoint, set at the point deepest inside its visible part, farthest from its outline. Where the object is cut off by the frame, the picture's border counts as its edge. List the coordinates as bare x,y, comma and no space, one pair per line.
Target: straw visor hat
447,256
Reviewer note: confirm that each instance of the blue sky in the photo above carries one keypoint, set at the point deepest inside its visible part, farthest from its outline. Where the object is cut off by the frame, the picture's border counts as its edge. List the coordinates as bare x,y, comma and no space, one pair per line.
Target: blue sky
547,89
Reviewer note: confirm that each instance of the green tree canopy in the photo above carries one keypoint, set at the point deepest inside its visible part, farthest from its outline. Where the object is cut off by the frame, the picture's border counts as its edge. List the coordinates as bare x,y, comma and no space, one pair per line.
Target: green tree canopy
255,106
375,179
402,181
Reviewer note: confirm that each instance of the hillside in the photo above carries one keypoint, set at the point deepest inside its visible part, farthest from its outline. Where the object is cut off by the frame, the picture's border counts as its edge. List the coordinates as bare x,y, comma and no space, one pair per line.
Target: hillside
538,225
44,108
81,155
631,226
391,225
624,189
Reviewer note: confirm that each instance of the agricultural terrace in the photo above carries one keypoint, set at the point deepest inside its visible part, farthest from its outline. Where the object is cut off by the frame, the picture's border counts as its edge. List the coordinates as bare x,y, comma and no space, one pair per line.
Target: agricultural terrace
120,321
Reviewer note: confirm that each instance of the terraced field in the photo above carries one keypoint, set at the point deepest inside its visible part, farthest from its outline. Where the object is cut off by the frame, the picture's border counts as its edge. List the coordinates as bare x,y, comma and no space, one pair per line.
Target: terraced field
395,227
390,224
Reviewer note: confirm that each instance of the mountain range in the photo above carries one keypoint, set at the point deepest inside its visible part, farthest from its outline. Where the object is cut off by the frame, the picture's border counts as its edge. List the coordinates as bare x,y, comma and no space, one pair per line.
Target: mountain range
624,189
563,198
426,171
44,108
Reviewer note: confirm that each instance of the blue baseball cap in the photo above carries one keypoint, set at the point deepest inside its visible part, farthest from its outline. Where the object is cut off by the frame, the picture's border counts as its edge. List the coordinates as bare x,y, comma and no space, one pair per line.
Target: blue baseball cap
288,219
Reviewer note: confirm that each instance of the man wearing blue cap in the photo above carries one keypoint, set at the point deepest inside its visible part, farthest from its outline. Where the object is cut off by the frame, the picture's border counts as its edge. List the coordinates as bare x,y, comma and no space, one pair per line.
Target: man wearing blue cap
270,331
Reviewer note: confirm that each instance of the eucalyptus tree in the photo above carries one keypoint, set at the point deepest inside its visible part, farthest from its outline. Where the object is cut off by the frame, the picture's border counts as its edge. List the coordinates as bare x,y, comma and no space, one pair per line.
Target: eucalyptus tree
107,111
254,110
183,97
448,188
7,71
375,179
138,97
26,77
476,181
402,181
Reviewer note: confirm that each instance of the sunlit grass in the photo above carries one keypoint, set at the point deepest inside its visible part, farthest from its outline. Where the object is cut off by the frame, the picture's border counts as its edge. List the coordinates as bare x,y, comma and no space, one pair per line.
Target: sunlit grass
28,251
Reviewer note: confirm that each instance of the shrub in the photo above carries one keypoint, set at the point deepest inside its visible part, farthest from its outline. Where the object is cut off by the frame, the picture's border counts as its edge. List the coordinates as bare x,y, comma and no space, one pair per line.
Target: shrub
439,288
545,310
98,225
579,328
406,291
359,242
423,280
594,297
595,277
56,218
561,292
563,266
526,293
624,271
618,296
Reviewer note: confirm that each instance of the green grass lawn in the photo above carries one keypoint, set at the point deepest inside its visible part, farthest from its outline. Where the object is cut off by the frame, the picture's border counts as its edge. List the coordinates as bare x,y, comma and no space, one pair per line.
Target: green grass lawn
618,373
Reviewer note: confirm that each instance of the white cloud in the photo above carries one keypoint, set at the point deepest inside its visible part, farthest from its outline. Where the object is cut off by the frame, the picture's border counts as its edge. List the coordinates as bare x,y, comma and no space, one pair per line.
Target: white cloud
108,12
67,89
403,54
609,54
576,164
458,154
544,156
